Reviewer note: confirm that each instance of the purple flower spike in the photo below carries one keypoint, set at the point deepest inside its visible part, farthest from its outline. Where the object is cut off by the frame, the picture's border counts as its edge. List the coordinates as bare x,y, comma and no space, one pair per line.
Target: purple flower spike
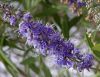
48,40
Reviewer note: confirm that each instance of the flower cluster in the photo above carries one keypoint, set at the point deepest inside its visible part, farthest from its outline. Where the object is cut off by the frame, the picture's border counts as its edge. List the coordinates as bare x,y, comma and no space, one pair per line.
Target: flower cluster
9,15
50,41
92,7
75,5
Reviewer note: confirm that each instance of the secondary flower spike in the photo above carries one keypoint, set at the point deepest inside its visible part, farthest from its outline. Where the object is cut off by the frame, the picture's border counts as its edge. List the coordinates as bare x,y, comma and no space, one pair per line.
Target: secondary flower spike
75,5
50,42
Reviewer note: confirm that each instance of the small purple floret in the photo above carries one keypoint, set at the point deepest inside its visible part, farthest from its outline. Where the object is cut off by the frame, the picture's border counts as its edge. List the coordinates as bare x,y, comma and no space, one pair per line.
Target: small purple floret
27,16
12,20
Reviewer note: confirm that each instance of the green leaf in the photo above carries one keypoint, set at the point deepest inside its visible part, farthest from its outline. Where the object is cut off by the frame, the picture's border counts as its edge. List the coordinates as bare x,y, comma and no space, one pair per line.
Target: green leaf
48,12
35,68
65,26
9,64
30,62
13,72
57,19
20,1
45,69
74,20
96,51
51,10
95,48
27,4
89,41
48,2
98,74
5,59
